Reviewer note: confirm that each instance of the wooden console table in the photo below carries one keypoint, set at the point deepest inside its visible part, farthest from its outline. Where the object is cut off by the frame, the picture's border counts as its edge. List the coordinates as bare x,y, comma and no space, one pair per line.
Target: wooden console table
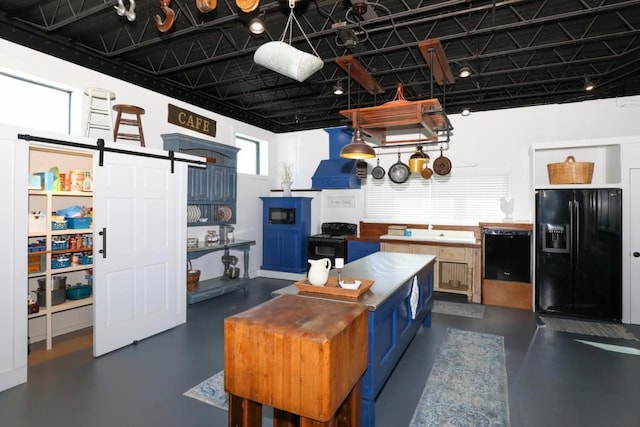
304,357
217,286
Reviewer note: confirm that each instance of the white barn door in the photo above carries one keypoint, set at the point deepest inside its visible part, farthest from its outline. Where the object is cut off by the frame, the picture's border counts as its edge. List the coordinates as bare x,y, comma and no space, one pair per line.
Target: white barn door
139,246
13,265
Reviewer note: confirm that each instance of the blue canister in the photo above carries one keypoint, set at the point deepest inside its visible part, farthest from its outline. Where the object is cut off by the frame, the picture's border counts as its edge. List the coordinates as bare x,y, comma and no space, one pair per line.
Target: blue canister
407,232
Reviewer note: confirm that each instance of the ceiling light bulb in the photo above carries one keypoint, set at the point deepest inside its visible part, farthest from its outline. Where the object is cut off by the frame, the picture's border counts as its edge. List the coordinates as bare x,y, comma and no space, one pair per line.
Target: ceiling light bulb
256,25
588,85
337,89
465,111
464,72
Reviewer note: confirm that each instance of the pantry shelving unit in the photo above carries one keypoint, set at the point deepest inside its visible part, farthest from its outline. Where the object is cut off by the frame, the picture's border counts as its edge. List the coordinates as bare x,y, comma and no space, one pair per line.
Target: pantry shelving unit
57,318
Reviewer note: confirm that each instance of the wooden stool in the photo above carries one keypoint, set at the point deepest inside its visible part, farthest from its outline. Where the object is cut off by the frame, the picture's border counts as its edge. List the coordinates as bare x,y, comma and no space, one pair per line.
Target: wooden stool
98,107
303,356
132,110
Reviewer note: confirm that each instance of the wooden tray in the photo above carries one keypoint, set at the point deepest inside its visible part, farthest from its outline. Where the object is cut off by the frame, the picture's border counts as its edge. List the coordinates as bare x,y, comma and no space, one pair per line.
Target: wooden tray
331,288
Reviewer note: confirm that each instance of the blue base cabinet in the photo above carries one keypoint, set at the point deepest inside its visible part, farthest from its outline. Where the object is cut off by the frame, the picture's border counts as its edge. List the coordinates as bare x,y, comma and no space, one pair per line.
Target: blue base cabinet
357,249
284,245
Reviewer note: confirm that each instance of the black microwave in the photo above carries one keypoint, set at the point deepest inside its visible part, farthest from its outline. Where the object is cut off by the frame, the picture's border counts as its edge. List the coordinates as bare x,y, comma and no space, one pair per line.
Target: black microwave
282,215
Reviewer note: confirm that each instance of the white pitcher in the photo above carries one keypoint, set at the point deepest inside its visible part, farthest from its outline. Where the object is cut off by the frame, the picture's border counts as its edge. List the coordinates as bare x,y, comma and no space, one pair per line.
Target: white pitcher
319,271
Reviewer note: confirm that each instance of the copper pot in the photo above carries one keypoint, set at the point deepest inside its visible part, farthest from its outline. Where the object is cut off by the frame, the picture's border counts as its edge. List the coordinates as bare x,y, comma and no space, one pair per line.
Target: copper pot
427,173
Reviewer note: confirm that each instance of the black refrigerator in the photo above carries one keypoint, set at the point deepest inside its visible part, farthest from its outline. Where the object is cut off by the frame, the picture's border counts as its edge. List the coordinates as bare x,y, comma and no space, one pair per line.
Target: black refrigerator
579,253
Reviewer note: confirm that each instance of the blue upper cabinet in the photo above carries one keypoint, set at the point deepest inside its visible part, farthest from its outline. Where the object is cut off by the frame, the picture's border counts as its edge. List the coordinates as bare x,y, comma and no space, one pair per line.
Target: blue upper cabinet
212,191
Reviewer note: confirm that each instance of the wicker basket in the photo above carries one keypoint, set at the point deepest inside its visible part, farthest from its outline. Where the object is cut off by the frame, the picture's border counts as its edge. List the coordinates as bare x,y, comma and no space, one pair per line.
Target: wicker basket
570,172
193,277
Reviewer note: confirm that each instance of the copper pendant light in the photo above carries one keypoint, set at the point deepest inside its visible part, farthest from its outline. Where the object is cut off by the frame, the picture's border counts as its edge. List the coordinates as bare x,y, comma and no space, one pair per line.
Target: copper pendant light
357,149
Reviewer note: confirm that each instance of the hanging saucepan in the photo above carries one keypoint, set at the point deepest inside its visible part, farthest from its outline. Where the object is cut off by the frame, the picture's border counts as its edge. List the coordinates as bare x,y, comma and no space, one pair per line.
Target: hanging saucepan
442,165
378,171
399,172
426,172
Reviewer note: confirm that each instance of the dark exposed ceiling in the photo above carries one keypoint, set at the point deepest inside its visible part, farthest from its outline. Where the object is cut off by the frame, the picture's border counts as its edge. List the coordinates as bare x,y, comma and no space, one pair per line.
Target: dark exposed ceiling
521,52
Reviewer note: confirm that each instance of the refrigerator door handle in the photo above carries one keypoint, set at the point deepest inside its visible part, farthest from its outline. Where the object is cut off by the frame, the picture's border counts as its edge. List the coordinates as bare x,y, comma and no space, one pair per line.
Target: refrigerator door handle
575,223
570,240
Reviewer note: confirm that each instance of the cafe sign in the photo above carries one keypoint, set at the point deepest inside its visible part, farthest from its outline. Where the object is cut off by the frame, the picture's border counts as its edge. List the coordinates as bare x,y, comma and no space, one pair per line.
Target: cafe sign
187,119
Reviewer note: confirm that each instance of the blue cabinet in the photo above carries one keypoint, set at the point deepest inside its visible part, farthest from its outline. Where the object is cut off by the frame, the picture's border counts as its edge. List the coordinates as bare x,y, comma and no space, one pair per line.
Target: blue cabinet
285,237
357,249
212,190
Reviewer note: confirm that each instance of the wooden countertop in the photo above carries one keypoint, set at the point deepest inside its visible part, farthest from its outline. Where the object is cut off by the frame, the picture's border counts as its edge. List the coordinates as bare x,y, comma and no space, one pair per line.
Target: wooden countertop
370,238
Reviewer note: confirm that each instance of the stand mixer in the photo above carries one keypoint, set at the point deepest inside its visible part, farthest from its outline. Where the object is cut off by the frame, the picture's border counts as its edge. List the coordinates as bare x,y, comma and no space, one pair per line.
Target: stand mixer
230,270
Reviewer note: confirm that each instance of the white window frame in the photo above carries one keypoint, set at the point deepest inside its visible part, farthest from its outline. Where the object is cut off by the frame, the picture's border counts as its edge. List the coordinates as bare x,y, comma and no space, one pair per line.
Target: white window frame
35,105
261,155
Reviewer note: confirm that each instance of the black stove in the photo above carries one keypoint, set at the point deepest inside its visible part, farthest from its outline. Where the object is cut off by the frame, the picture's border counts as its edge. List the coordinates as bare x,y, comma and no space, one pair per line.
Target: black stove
337,230
331,242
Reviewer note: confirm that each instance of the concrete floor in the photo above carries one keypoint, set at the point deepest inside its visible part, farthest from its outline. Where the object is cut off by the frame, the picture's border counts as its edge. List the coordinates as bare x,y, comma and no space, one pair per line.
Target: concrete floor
553,380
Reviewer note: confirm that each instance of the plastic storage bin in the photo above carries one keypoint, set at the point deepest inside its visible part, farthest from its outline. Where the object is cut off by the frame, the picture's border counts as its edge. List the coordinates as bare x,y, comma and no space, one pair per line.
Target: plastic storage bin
59,245
62,262
79,292
75,223
58,225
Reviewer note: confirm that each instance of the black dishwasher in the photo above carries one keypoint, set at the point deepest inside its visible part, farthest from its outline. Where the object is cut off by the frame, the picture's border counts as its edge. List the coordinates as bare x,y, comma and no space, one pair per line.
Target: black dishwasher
507,255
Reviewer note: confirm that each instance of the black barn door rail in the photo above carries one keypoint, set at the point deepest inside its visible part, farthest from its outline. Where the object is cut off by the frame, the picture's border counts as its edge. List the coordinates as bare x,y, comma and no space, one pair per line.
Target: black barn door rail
100,146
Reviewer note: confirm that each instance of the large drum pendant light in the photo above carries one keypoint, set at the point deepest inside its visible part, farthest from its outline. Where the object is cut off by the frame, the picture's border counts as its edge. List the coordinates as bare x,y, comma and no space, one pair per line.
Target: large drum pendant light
285,59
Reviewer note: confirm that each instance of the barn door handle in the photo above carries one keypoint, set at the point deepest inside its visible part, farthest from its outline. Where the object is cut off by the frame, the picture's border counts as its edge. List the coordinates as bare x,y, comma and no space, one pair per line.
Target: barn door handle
103,251
636,254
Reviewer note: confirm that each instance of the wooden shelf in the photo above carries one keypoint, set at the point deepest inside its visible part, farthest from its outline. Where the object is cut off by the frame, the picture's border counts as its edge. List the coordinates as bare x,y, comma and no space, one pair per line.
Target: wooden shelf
67,305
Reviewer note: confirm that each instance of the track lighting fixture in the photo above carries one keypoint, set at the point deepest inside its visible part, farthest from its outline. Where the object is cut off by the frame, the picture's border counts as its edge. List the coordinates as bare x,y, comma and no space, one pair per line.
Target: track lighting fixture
337,88
464,72
588,84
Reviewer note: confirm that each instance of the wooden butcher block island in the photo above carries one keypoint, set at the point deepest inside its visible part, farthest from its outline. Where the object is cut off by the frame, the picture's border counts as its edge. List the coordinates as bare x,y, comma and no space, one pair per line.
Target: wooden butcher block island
304,357
398,304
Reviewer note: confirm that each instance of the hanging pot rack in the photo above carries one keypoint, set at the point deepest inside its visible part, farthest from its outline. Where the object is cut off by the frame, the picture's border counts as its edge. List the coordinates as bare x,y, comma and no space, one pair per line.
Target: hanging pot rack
399,115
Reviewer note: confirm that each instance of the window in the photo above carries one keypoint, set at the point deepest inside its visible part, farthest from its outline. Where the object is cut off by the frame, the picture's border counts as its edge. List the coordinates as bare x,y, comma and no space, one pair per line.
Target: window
34,105
453,199
252,156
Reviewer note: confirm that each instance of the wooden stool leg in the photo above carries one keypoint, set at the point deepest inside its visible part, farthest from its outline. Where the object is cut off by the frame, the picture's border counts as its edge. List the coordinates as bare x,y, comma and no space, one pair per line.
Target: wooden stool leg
140,129
117,126
244,412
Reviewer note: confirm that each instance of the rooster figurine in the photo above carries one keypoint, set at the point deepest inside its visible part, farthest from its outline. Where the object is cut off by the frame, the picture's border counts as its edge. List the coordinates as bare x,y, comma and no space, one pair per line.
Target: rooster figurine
506,206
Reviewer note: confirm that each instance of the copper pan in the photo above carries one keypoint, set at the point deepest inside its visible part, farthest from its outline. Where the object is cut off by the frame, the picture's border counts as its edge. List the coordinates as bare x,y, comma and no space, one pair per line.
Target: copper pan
442,165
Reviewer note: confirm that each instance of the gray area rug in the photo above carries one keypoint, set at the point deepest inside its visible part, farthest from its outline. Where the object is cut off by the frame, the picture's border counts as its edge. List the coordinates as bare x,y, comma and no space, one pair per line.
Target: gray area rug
467,386
585,327
211,391
458,309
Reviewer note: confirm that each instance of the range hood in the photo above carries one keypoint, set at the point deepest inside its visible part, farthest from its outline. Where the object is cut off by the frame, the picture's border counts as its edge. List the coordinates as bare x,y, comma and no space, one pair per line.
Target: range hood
336,172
